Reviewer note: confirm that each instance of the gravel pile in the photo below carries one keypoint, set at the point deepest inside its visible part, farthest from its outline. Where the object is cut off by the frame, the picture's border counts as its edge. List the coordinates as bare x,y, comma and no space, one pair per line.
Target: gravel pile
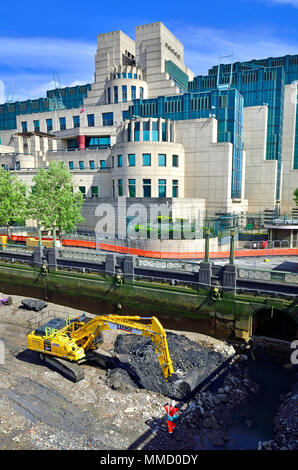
143,369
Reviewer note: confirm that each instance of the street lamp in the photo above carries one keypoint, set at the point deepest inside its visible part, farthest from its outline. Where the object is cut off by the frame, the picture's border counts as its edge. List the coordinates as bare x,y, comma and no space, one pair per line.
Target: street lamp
207,235
232,246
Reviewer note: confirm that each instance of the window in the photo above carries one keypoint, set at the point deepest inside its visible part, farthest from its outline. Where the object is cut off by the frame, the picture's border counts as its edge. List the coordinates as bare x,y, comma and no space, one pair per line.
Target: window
102,164
90,118
146,130
109,95
162,159
119,159
125,114
141,93
76,121
95,142
94,191
36,126
124,93
81,165
133,92
146,188
162,188
18,166
146,159
175,161
175,188
129,75
62,122
115,94
155,131
124,75
132,187
70,165
107,119
120,187
24,126
83,190
137,131
91,164
131,159
164,131
49,123
72,144
113,188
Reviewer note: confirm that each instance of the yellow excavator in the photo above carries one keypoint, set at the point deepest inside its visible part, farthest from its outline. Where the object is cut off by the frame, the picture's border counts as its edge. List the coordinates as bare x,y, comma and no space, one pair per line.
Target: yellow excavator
66,343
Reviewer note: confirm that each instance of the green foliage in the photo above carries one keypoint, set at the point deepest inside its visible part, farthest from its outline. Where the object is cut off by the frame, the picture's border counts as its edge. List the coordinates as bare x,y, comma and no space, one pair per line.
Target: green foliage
296,196
53,201
13,198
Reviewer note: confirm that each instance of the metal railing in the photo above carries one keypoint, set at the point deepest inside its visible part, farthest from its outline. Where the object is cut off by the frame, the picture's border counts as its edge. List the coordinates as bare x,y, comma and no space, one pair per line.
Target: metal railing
84,255
271,276
169,265
99,147
21,249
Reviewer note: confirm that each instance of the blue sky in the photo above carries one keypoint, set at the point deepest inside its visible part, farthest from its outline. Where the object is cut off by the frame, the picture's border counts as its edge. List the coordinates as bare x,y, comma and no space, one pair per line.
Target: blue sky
39,38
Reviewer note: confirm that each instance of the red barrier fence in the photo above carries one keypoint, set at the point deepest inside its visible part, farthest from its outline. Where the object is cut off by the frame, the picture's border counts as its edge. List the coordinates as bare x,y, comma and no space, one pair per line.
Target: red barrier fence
166,254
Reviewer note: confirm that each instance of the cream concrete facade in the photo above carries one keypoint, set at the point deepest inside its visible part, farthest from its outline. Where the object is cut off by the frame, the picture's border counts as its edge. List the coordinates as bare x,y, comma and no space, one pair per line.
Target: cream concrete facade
260,173
290,176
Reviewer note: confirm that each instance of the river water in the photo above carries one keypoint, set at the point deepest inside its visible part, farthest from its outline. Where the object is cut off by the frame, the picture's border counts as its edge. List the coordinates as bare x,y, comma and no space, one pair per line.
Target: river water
274,380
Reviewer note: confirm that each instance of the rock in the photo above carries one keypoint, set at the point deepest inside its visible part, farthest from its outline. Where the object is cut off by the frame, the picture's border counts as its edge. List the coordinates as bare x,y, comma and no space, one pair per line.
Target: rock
222,396
207,423
220,390
129,410
120,380
243,358
227,389
33,304
260,446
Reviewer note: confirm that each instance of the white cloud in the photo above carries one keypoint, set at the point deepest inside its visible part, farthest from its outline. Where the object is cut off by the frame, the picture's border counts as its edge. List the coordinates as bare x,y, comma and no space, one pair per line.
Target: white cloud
203,47
2,94
27,64
284,2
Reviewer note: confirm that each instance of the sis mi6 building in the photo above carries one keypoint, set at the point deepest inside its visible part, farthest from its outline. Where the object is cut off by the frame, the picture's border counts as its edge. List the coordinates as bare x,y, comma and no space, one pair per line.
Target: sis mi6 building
149,130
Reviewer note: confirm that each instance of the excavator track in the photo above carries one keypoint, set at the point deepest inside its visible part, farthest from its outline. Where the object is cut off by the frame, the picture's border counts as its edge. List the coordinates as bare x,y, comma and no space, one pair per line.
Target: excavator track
72,371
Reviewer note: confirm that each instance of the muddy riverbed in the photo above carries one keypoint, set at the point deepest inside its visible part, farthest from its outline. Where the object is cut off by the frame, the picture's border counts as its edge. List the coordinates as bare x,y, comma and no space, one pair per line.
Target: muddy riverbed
40,409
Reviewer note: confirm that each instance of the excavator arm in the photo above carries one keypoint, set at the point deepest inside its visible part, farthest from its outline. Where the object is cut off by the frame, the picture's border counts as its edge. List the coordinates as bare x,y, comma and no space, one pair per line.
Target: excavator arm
85,334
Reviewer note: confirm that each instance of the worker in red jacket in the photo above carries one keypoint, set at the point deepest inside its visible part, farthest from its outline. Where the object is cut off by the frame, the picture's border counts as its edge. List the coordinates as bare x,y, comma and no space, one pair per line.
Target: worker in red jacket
172,416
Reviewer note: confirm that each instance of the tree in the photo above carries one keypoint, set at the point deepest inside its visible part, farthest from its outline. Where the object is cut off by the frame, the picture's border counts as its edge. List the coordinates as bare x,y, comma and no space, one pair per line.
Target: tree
296,196
13,199
53,203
